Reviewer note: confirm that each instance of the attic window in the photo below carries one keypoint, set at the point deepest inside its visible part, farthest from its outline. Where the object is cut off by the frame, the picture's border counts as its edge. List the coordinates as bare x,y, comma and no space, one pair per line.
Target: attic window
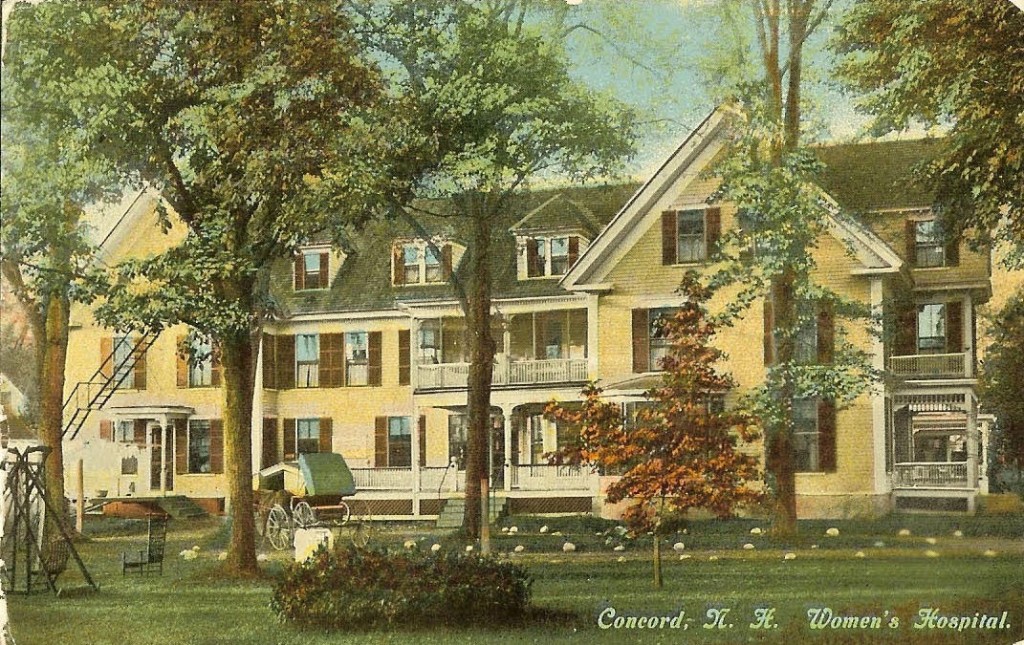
311,269
690,235
551,256
418,262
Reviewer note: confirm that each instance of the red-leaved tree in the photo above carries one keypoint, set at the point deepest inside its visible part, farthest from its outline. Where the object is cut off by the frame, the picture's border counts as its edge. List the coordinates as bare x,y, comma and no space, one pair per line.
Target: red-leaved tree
681,450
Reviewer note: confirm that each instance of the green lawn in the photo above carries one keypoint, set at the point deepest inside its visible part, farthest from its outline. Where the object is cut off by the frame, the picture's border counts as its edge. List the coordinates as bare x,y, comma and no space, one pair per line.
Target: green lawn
190,604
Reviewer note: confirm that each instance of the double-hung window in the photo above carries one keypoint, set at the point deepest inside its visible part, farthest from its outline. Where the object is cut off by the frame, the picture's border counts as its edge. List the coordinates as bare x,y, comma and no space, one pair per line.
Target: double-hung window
200,366
928,248
419,262
311,269
931,329
690,236
399,442
307,435
805,435
660,343
357,359
199,446
307,360
124,374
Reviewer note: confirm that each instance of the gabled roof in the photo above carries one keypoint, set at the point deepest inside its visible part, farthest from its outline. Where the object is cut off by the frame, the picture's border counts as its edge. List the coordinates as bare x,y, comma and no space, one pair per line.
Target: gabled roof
877,175
560,214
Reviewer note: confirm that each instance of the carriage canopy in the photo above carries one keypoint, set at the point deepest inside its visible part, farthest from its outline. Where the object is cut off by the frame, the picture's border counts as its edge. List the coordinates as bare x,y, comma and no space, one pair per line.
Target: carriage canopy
316,474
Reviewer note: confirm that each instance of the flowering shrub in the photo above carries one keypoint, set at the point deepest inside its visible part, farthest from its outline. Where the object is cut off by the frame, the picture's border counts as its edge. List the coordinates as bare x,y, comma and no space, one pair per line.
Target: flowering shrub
360,589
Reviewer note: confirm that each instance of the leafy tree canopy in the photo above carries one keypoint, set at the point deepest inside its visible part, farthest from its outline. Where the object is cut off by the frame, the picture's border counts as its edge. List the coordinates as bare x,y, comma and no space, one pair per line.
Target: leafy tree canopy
953,62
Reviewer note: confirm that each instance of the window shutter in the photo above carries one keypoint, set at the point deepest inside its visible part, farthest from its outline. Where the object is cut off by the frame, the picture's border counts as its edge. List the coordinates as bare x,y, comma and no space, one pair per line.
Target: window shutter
953,253
641,341
326,435
140,363
574,249
216,446
769,337
404,356
954,326
713,229
269,364
139,432
300,273
332,356
269,451
181,362
180,446
906,332
106,357
910,235
422,429
289,439
215,365
533,267
669,231
380,442
373,376
827,435
285,362
826,333
397,265
325,273
106,430
446,261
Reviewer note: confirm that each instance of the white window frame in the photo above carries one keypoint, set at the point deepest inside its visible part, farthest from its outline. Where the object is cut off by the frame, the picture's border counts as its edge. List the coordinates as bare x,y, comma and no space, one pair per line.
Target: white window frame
702,237
427,270
546,256
930,242
193,426
200,373
311,429
307,372
323,271
804,435
357,365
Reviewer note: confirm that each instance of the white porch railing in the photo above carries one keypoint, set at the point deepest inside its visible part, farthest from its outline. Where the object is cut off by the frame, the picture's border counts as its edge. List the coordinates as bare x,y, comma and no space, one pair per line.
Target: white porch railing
548,477
931,366
382,478
456,375
925,474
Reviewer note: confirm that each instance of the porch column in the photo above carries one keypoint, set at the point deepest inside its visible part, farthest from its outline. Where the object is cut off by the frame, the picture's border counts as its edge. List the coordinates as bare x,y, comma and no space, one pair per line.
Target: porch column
592,336
163,455
967,334
148,458
167,433
415,460
972,440
882,482
414,354
256,416
506,415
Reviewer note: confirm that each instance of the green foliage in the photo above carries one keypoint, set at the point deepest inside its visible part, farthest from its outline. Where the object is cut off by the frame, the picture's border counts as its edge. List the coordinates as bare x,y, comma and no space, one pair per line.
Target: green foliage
1002,381
954,62
352,589
680,452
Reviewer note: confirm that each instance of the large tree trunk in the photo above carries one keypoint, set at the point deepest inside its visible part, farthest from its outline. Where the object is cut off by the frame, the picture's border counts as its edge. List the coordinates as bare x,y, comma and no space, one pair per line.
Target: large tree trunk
780,440
52,354
481,348
238,363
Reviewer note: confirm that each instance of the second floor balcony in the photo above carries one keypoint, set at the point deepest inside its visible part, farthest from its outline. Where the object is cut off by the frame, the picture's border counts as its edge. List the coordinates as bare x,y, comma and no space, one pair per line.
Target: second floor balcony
521,372
957,365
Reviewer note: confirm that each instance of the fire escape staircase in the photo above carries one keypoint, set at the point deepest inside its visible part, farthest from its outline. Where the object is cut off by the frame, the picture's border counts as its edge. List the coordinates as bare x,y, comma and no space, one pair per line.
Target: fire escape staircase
96,392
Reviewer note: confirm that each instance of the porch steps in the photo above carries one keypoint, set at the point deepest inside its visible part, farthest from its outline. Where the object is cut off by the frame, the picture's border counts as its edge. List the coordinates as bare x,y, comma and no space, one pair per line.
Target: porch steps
180,507
454,509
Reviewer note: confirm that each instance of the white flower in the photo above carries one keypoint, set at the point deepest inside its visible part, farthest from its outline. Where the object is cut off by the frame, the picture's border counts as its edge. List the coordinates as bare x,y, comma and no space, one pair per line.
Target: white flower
814,546
568,547
504,529
958,533
544,529
619,548
859,554
469,547
513,529
608,541
904,533
789,556
989,553
713,558
756,531
678,546
930,540
434,548
558,533
622,558
410,544
189,554
879,544
223,555
195,547
519,548
685,556
748,546
263,557
832,532
931,554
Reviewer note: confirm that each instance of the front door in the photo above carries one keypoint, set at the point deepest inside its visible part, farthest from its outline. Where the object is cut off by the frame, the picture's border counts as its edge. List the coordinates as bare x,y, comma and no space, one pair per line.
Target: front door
158,445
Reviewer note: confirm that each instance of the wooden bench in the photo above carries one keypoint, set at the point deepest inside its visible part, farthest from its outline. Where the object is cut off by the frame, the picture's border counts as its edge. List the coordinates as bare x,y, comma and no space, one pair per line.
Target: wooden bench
152,557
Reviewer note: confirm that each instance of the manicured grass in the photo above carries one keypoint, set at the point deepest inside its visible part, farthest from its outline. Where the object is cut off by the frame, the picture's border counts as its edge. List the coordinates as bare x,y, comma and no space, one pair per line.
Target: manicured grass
191,604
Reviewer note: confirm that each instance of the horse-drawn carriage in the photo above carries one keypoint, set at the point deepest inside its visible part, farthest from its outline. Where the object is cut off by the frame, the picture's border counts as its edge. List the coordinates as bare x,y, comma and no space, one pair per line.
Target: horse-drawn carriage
306,493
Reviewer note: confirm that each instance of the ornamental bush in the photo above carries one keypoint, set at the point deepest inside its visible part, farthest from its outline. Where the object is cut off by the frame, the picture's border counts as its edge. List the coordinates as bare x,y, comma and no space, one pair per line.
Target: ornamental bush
352,589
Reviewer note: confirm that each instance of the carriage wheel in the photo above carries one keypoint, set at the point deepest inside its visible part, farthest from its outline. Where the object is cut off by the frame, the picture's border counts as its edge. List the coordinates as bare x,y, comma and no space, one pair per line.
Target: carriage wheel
360,534
279,530
344,514
304,515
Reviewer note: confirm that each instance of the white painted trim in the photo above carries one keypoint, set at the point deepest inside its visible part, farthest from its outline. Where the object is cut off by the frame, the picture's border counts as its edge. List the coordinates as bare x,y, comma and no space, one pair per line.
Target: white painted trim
882,483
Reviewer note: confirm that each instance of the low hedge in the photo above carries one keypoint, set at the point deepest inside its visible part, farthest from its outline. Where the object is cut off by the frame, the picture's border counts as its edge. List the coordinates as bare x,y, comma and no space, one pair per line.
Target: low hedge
351,589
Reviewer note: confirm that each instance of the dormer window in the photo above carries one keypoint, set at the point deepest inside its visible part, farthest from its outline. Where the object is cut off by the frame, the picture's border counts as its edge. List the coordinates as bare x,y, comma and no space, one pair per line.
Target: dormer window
926,248
420,263
312,269
551,256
